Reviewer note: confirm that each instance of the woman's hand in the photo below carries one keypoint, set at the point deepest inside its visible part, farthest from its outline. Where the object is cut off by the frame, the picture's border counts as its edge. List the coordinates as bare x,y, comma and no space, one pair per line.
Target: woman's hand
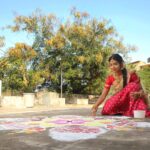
94,110
136,95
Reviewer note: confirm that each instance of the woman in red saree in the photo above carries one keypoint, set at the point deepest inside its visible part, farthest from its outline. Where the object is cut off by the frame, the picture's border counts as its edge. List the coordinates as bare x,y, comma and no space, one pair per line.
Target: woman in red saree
125,89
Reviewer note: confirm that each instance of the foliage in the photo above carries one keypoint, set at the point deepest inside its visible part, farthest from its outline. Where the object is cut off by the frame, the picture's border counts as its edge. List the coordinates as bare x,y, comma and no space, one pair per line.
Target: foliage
145,78
79,47
15,70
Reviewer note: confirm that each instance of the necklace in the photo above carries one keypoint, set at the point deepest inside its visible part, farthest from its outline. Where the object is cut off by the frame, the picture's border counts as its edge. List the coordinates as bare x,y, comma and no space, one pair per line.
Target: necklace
118,82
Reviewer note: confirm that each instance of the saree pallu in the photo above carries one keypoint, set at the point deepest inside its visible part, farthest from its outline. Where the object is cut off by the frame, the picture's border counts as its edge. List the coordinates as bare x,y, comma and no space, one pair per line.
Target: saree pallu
124,104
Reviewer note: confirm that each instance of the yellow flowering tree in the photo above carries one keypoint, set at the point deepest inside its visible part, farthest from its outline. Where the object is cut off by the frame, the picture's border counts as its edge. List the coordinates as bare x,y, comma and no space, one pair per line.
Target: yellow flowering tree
19,73
78,48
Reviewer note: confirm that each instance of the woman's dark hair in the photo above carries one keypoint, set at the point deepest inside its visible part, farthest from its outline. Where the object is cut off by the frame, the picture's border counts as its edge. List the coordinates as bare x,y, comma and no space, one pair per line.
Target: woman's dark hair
120,60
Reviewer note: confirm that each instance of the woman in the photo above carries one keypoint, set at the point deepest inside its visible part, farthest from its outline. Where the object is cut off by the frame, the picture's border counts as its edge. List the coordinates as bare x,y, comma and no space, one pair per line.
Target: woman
125,89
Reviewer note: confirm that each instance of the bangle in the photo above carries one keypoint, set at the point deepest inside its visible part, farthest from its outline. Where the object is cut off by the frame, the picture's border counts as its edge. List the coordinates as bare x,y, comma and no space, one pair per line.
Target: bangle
140,94
94,110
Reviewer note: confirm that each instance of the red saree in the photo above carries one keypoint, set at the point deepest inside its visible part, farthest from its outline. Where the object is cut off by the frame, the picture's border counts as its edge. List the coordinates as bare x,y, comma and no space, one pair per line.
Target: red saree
121,102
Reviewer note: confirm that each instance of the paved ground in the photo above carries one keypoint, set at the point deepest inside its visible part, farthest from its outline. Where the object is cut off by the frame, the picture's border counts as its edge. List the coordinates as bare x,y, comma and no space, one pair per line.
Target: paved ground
40,108
137,139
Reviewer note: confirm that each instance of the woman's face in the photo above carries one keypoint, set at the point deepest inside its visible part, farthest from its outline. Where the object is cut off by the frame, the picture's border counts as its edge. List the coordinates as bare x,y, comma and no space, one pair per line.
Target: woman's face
115,66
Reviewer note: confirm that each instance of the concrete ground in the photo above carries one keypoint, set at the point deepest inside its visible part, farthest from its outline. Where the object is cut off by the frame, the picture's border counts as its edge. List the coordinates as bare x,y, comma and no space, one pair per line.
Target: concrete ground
137,139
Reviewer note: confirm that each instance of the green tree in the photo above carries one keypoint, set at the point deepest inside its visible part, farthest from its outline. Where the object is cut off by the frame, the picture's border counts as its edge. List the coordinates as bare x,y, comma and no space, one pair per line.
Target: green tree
145,78
79,46
19,75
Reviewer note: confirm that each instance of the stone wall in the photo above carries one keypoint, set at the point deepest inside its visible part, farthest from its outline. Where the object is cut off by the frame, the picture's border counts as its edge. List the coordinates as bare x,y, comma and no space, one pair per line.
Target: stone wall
46,98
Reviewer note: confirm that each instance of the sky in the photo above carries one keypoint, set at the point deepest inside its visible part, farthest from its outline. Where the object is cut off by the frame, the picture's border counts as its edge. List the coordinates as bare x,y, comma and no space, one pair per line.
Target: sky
130,17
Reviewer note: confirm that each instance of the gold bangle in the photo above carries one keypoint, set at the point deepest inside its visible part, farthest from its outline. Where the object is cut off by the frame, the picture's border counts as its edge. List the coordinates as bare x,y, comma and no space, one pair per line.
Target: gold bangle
94,110
140,94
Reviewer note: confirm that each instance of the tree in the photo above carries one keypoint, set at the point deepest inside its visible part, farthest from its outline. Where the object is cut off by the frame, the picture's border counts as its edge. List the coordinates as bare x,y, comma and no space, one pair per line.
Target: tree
79,47
86,44
145,78
19,75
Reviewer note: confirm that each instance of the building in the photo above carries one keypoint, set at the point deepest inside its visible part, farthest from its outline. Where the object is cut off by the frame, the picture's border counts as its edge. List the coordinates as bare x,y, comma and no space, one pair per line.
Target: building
137,65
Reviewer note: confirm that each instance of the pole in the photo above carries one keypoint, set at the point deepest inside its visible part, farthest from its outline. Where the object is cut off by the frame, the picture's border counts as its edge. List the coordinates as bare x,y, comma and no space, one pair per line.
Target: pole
0,88
61,82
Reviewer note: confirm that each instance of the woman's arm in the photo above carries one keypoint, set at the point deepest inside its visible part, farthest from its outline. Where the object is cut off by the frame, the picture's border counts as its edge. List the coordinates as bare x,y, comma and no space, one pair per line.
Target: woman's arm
141,93
137,94
99,101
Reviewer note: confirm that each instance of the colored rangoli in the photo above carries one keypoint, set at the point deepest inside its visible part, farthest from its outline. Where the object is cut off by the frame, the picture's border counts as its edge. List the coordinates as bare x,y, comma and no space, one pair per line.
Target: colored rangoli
70,127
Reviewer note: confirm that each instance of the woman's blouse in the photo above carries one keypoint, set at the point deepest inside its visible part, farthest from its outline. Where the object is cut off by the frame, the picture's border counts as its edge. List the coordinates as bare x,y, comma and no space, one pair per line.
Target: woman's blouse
116,83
